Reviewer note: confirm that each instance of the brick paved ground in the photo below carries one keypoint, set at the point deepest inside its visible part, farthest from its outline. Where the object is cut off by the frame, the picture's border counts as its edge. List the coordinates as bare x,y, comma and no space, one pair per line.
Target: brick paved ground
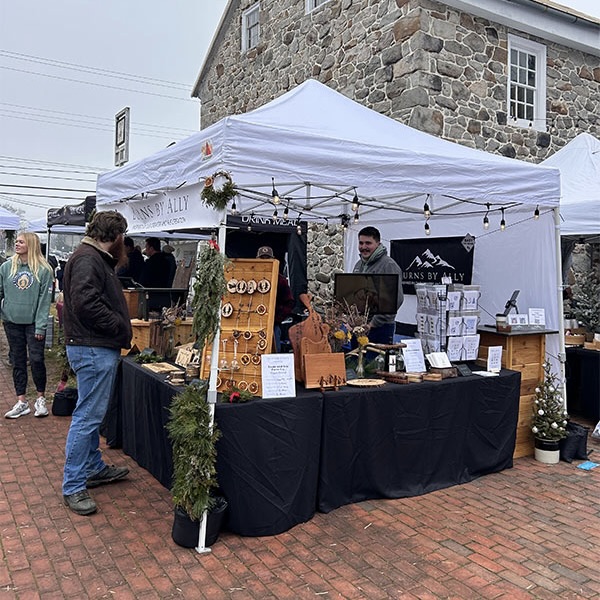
529,532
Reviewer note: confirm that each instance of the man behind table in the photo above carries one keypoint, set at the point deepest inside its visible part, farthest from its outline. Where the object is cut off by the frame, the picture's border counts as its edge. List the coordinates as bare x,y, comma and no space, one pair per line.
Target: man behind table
97,326
374,259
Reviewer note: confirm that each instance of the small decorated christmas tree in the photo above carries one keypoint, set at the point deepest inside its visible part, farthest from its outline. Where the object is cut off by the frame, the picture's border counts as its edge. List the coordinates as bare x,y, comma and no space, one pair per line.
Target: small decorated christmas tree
549,421
586,300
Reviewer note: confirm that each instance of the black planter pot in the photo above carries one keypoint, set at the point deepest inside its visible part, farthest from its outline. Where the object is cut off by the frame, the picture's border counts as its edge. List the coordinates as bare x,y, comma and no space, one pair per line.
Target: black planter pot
549,445
185,531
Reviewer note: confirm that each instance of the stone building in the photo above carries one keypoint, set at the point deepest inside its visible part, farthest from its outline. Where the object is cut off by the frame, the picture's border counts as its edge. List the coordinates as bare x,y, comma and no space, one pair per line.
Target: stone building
518,78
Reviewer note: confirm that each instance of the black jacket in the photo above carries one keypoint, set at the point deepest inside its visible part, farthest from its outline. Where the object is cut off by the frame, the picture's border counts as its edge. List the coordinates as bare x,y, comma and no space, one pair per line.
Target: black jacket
95,311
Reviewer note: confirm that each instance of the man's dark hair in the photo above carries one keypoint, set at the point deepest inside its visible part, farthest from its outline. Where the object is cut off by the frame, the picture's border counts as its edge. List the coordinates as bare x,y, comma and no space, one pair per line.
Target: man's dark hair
128,242
153,242
371,232
106,226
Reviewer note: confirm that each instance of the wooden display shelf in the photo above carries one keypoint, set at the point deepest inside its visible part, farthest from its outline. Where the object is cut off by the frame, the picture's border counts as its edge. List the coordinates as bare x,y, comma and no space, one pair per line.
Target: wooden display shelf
247,333
523,351
142,335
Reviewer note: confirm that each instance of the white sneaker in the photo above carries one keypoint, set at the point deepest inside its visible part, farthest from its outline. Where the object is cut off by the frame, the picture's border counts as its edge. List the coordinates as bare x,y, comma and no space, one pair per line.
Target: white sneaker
40,407
18,410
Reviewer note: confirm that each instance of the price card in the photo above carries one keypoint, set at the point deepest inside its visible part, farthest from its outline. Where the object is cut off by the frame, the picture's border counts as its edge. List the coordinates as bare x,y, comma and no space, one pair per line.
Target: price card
537,316
414,359
278,379
494,359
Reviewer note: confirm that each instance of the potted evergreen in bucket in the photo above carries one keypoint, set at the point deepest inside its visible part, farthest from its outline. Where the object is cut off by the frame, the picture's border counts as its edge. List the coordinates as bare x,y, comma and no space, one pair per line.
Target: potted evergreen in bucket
193,436
549,420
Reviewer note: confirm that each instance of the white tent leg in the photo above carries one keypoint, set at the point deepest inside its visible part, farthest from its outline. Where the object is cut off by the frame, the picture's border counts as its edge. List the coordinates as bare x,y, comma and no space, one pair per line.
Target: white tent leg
212,398
562,355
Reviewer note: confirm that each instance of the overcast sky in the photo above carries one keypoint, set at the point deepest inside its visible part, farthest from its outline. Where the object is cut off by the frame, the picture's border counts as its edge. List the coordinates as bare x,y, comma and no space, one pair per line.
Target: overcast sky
63,77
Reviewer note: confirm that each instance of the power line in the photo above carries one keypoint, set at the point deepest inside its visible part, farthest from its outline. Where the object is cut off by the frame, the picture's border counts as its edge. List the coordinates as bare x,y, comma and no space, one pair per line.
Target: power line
49,162
103,85
40,187
48,170
82,125
46,176
43,196
105,120
95,70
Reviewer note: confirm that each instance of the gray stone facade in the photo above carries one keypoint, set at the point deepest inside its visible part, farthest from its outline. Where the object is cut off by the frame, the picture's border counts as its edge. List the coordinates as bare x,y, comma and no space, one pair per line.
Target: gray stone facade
418,61
421,62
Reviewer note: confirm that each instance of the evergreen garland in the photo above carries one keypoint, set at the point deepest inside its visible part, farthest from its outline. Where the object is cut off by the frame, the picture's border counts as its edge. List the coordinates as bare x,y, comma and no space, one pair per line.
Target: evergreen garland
194,453
209,288
549,421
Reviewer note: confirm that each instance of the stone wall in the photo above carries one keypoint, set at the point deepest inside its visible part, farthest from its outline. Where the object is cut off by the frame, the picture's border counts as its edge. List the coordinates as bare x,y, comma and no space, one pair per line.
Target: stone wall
323,265
418,61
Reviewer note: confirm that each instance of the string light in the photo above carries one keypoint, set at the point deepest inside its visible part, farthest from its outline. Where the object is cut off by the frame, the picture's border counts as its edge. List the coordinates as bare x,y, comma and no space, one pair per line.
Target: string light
286,212
427,229
326,225
275,213
274,193
356,217
536,212
355,202
502,221
426,211
250,222
486,221
299,229
234,208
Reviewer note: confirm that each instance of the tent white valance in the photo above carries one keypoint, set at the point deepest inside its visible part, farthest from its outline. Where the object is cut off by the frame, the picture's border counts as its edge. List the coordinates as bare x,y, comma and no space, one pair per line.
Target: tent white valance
9,220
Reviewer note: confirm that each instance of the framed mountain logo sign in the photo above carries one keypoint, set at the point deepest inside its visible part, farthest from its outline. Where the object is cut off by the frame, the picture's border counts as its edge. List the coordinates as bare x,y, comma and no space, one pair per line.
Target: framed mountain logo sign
427,260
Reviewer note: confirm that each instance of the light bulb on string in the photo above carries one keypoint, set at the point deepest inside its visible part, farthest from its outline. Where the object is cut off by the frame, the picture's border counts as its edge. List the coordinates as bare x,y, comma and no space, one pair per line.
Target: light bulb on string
326,225
356,217
502,221
275,213
486,221
274,193
286,213
250,222
427,228
536,212
233,207
426,210
355,202
299,229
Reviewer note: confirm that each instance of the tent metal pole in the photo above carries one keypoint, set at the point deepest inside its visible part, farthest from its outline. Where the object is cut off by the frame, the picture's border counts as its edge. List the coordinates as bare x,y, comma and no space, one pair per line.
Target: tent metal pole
211,396
562,355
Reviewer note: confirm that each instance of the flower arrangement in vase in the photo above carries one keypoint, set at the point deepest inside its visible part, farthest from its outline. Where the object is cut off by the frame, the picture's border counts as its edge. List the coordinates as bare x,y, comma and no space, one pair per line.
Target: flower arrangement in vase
347,325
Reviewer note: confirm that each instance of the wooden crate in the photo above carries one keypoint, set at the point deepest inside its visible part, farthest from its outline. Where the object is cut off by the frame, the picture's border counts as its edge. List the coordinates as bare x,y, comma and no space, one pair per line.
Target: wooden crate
245,334
132,297
524,352
143,336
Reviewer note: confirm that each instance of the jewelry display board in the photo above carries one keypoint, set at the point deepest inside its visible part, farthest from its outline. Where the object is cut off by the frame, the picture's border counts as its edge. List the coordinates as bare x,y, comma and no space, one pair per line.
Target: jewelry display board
247,321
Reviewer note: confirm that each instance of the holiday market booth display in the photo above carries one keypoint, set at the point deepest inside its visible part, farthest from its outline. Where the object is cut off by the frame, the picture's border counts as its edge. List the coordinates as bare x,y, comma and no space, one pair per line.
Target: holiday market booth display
298,157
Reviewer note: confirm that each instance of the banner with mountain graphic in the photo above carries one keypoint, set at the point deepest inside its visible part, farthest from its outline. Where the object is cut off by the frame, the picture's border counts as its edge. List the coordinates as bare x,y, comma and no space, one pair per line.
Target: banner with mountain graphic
427,260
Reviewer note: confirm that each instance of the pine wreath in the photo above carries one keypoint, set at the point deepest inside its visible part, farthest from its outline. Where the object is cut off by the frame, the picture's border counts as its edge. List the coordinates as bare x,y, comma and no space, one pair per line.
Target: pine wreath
218,198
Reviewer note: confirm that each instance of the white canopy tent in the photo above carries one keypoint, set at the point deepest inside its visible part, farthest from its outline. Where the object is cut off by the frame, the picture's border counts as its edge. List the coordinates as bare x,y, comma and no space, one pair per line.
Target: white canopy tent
318,148
579,165
9,221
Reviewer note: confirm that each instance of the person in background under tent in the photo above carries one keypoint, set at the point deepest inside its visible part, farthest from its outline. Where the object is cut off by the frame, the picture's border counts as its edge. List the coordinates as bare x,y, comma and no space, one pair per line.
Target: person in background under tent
374,259
135,261
155,272
284,302
25,292
168,250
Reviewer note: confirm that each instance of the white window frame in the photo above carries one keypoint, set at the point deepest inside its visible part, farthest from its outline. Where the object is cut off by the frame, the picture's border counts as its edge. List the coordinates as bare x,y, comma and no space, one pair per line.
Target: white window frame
530,112
250,28
314,4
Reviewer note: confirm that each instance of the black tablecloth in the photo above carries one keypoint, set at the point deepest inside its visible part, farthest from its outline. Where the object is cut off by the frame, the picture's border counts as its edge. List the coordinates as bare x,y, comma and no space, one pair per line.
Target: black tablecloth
267,457
280,460
406,440
583,382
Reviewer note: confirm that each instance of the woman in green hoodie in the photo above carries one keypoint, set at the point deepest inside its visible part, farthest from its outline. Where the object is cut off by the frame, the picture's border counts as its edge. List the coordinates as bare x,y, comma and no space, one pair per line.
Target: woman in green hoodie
25,293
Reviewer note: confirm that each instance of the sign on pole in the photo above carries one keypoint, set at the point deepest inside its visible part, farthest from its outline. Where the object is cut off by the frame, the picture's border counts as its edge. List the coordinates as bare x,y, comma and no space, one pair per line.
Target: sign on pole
122,137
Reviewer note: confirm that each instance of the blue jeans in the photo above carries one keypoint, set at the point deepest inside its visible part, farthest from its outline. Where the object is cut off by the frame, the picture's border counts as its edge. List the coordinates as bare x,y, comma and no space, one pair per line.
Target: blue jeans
96,369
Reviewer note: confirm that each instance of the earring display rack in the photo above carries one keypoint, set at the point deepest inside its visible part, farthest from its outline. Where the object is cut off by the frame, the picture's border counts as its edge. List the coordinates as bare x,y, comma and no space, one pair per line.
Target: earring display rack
247,321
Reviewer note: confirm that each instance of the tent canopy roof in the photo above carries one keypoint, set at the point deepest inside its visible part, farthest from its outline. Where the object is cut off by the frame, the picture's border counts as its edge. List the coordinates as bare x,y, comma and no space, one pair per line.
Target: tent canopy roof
318,148
579,164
